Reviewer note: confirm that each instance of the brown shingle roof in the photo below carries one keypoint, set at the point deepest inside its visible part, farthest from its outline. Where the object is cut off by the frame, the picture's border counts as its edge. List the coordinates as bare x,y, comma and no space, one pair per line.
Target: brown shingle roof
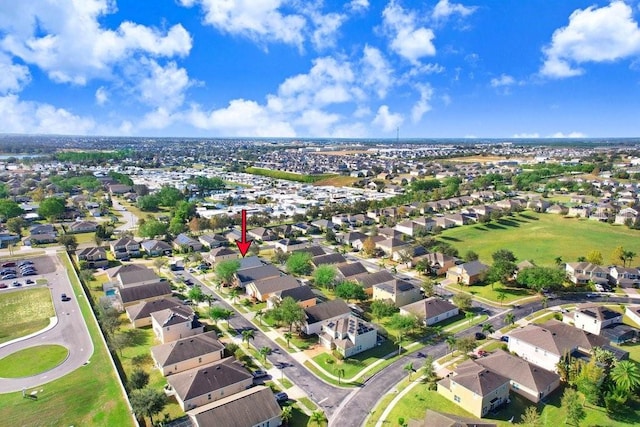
206,379
151,290
557,337
326,310
428,308
477,378
351,269
144,308
274,284
186,348
440,419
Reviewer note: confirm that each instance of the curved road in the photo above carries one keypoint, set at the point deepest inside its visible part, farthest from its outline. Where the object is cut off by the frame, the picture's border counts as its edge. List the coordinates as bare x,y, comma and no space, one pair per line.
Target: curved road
70,332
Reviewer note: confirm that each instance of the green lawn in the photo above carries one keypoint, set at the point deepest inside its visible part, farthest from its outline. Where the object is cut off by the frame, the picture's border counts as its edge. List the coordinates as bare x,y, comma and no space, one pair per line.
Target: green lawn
355,363
542,238
23,312
89,396
32,361
491,293
463,323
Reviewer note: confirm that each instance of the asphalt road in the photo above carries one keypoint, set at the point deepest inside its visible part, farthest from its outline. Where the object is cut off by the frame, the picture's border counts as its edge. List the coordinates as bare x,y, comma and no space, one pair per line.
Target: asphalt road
70,332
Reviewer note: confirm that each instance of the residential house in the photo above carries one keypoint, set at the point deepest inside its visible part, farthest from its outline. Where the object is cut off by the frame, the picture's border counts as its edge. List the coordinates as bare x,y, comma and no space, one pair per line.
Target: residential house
468,273
125,248
347,270
303,295
290,245
349,238
314,251
184,242
441,419
348,335
43,229
204,384
174,323
140,314
246,276
212,240
625,277
475,388
262,289
398,292
119,189
222,254
256,407
82,227
261,234
625,215
581,273
323,224
7,239
526,379
392,246
593,318
324,259
430,310
126,277
409,227
95,257
318,314
633,311
187,353
147,292
154,247
437,263
544,345
39,239
368,280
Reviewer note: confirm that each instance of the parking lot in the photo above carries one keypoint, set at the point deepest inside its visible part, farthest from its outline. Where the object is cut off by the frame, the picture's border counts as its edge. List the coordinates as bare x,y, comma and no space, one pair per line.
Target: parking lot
26,274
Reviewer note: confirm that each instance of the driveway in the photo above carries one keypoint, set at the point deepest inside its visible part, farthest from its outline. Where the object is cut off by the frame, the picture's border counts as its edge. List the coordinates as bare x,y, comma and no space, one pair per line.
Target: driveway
130,220
70,332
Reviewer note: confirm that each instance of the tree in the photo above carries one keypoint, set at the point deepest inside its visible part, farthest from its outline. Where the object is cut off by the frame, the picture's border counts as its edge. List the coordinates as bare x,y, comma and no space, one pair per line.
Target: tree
287,337
503,266
462,301
139,379
503,255
539,278
152,228
469,315
403,324
15,225
488,329
234,293
219,313
350,290
617,255
280,256
51,208
531,417
409,368
299,263
466,344
264,352
626,375
259,315
369,247
169,196
428,287
148,203
196,294
68,241
286,414
509,319
340,374
247,335
109,318
572,407
226,270
120,341
451,341
502,295
9,209
470,256
318,417
381,308
324,276
148,402
594,257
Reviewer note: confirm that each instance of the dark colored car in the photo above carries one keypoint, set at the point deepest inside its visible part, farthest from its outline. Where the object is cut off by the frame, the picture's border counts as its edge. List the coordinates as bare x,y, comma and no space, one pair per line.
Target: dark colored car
8,264
25,262
29,273
282,397
504,338
64,297
259,374
29,282
480,336
3,286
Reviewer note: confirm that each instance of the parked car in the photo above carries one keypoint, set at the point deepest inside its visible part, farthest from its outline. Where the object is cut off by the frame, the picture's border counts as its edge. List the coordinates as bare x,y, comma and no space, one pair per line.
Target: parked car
29,282
64,298
29,273
504,338
259,374
16,283
8,264
480,336
9,276
282,397
25,262
3,286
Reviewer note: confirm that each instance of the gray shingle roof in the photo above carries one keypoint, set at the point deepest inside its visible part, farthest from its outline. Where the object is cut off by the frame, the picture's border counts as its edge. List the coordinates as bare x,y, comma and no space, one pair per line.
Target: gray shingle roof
151,290
186,348
557,337
206,379
326,310
351,269
144,308
428,308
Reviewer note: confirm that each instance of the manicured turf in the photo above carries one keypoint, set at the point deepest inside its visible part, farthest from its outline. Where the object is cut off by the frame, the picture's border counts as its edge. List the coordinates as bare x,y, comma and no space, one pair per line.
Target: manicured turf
32,361
486,291
89,396
355,363
23,312
542,237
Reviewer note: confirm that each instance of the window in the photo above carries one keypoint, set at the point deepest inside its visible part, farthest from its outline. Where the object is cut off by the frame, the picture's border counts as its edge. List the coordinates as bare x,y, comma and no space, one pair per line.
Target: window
456,398
209,396
199,359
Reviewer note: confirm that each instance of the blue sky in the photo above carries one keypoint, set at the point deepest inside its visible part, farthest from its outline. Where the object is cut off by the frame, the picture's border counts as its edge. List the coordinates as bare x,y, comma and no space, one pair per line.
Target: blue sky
304,68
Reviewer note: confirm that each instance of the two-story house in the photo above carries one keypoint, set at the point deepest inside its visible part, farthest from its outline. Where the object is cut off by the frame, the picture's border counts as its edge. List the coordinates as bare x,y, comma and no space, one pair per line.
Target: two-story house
468,273
174,323
581,273
625,277
398,292
139,314
327,311
125,248
348,335
187,353
95,257
594,318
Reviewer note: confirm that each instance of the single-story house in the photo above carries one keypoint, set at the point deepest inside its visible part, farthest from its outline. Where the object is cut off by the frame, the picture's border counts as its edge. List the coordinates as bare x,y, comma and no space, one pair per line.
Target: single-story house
182,241
347,270
147,292
155,247
95,257
222,254
212,240
249,275
441,419
303,295
324,259
430,310
187,353
368,280
290,245
264,288
82,227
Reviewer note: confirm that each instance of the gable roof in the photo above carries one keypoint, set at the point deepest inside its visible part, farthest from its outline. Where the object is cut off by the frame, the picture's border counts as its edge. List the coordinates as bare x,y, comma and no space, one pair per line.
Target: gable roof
113,272
557,337
186,348
131,277
150,290
248,408
313,250
598,312
173,315
155,245
326,310
333,258
428,308
300,293
205,379
367,280
274,284
396,286
250,262
221,251
256,273
477,378
441,419
144,308
349,269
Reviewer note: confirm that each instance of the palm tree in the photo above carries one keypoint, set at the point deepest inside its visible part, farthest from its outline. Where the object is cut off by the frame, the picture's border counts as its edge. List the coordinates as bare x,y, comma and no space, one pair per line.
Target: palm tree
509,319
626,375
264,352
545,302
318,417
288,336
286,415
469,316
247,335
451,342
501,297
488,329
409,368
340,373
259,315
233,294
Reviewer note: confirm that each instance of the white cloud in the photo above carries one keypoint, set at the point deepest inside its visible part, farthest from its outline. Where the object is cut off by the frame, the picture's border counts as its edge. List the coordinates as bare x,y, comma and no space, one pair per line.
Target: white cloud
259,20
526,135
18,116
407,39
327,27
67,40
102,96
444,10
593,35
386,120
568,135
241,118
358,5
163,86
318,122
446,99
503,80
422,106
13,77
376,71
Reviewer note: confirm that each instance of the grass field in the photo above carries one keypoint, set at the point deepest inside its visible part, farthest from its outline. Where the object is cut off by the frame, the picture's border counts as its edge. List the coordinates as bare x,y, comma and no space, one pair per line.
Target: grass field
289,176
355,363
23,312
32,361
542,237
486,291
89,396
337,181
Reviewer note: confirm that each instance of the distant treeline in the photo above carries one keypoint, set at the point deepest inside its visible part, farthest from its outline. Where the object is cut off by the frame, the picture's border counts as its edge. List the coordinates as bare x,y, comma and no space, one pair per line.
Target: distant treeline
92,157
289,176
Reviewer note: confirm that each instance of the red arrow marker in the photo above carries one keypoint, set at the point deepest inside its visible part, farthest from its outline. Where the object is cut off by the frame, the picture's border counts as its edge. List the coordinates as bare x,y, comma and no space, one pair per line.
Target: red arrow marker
243,245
